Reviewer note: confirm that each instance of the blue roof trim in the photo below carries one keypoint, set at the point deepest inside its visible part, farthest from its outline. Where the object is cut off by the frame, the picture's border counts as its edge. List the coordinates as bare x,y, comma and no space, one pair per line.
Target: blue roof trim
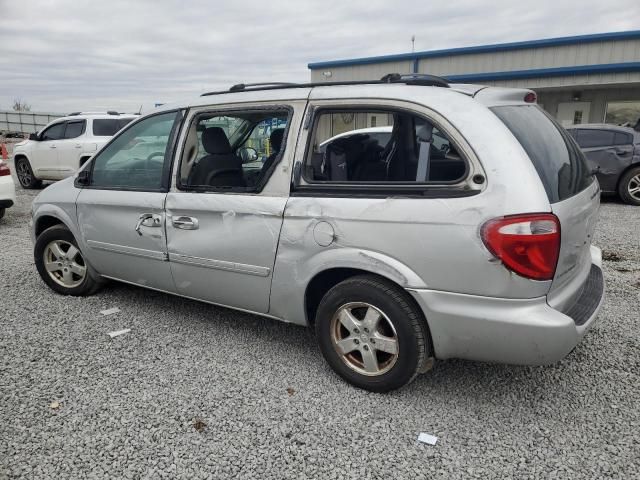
499,47
546,72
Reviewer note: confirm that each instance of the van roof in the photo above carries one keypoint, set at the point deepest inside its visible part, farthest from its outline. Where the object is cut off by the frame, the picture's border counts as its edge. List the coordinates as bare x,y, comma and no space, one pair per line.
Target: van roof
489,96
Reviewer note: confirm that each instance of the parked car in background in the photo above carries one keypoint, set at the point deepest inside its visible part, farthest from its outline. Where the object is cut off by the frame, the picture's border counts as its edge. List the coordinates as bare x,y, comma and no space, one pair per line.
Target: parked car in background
613,152
7,188
64,145
396,254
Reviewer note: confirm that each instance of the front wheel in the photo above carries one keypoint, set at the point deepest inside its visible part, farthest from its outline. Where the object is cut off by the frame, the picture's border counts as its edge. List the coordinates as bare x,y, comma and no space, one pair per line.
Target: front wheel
61,264
25,174
629,188
372,334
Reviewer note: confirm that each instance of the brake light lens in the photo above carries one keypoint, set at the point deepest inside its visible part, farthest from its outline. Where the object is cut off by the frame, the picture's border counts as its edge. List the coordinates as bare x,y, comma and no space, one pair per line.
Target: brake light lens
528,245
530,97
4,169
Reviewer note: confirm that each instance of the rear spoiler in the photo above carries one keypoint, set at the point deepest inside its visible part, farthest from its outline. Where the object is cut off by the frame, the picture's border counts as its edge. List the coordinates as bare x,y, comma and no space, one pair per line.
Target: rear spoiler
494,96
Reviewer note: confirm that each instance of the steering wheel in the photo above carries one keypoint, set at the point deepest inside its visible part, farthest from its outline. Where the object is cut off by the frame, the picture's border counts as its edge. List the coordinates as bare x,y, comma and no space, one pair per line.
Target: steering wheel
153,155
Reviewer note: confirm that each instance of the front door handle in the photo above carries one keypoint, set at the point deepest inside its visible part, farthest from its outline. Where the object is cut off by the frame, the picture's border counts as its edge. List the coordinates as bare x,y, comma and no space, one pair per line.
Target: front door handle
185,223
52,146
148,220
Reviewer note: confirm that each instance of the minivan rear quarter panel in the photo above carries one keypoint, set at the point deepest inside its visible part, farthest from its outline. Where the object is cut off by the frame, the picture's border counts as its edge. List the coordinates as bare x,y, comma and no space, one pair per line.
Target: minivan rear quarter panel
431,243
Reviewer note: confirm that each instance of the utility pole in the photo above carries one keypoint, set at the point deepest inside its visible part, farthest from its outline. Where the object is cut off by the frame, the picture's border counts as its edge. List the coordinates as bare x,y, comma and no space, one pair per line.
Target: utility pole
413,43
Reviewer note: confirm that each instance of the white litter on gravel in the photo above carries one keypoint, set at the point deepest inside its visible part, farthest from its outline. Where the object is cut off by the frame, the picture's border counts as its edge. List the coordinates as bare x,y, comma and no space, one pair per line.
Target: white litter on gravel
118,332
110,311
426,438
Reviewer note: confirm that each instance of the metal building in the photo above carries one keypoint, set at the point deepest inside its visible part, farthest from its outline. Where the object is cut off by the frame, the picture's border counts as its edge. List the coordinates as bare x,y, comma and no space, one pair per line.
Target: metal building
580,79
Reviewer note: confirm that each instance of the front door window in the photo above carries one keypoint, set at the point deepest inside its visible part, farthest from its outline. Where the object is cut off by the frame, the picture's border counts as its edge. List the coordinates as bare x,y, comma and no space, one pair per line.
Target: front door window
137,158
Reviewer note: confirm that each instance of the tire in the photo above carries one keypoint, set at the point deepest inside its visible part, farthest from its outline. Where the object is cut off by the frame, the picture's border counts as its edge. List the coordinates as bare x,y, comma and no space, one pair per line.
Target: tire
368,360
72,275
2,212
629,186
25,174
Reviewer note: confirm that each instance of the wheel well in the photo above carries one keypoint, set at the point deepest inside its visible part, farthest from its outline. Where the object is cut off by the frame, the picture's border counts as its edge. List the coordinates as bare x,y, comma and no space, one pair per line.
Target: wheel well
84,159
325,281
20,155
46,222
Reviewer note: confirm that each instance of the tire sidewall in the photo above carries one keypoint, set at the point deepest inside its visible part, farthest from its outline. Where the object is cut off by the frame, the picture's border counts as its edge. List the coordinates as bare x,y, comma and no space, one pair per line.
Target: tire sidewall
410,355
59,232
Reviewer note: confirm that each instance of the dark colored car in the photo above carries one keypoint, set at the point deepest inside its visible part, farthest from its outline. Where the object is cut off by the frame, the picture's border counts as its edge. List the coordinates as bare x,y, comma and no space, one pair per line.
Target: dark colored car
614,153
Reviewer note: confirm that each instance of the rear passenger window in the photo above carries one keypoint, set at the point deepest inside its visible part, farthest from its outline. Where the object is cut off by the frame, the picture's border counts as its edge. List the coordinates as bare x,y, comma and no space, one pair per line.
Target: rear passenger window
74,129
588,138
622,139
108,127
234,151
380,147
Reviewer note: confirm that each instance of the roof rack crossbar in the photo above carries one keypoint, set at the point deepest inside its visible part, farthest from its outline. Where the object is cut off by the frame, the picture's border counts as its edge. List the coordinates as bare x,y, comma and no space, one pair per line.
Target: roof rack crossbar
407,79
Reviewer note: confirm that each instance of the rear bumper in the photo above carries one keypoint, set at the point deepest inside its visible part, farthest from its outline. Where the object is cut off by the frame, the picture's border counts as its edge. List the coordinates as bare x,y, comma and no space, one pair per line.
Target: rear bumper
525,332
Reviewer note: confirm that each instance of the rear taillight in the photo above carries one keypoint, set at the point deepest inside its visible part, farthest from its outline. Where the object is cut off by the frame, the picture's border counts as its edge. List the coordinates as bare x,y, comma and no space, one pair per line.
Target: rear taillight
530,97
4,169
527,244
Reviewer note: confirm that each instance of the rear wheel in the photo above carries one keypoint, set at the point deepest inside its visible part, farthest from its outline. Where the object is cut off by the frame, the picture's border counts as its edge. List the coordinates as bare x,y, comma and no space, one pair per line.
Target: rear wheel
629,187
2,211
372,334
61,264
25,174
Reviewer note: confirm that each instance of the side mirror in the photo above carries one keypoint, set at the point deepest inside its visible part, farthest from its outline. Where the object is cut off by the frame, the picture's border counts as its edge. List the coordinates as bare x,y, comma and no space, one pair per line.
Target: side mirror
83,178
34,136
248,154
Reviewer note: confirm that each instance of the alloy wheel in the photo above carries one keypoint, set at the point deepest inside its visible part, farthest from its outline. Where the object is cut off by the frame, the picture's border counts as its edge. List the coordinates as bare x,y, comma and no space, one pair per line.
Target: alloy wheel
64,263
365,338
633,187
23,171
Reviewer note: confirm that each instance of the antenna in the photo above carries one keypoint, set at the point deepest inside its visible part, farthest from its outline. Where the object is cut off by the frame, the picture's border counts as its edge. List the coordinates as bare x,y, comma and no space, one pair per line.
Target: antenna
140,109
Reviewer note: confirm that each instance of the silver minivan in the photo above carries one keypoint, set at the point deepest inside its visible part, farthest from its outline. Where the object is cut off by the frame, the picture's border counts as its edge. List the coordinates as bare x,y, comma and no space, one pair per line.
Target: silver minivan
464,233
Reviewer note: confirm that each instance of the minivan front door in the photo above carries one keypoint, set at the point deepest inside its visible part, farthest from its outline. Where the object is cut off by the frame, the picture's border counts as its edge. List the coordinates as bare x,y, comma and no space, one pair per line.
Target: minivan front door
121,213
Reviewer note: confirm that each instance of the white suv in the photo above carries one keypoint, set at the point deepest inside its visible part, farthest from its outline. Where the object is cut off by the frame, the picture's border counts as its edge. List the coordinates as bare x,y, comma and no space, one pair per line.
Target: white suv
64,145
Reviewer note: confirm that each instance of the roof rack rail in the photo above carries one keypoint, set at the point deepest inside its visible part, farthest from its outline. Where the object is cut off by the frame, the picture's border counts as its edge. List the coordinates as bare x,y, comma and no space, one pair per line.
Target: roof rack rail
108,112
407,79
243,86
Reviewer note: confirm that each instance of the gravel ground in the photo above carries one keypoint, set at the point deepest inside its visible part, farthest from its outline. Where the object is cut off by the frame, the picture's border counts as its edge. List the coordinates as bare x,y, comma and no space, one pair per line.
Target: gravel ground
195,391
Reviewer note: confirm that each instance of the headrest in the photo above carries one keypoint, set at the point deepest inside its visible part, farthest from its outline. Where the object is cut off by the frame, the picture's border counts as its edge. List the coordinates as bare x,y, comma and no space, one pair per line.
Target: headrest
275,139
215,141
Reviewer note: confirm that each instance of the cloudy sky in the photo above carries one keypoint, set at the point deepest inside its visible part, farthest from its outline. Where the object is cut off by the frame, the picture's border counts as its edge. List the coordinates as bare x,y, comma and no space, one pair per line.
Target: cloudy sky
64,55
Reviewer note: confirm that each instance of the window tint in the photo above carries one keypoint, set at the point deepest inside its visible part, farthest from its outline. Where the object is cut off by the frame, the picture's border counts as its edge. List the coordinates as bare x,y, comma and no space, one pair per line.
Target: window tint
588,138
136,158
556,157
108,127
401,148
74,129
54,132
622,139
233,151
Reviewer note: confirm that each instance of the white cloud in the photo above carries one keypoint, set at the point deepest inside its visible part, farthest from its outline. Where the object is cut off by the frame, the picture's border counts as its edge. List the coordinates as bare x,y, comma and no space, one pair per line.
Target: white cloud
68,55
